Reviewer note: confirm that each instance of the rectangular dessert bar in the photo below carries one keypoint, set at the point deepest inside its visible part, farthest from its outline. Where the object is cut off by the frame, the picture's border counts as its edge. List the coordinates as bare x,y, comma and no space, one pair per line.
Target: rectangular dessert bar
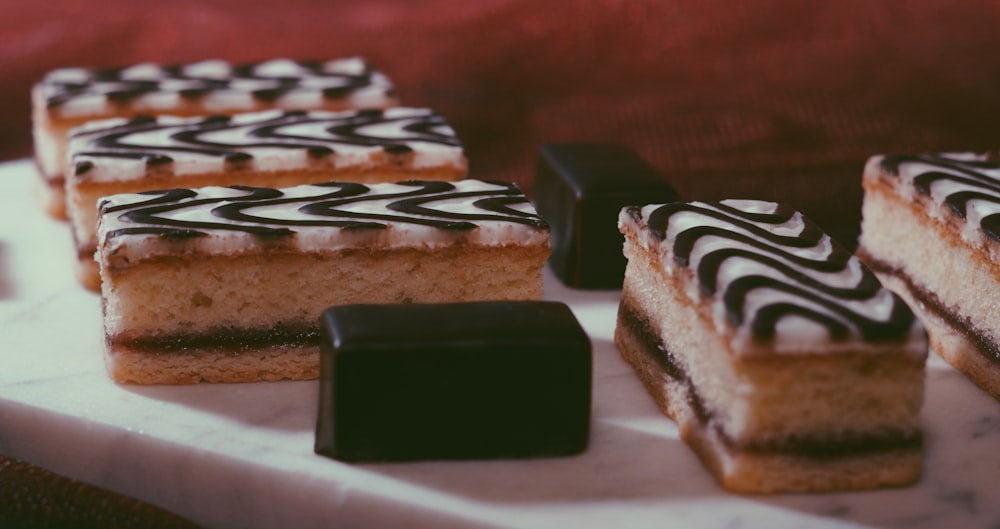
931,230
226,284
485,380
271,148
784,362
580,188
68,97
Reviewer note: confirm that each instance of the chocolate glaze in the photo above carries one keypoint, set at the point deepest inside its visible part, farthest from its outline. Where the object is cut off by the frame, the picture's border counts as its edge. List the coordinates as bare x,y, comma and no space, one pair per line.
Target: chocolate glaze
581,188
177,78
793,287
416,204
267,130
801,446
970,173
479,380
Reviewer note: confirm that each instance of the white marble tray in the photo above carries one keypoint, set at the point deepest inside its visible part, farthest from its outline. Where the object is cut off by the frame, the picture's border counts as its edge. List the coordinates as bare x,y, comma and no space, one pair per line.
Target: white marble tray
241,455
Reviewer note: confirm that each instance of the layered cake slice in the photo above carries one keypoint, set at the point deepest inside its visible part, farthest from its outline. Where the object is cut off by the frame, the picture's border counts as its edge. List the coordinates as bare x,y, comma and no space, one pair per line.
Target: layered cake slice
931,230
68,97
270,148
227,284
784,362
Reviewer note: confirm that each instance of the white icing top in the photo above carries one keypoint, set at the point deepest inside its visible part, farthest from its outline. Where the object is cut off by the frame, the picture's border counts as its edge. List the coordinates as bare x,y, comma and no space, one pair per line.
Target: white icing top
961,185
217,85
770,275
123,149
316,218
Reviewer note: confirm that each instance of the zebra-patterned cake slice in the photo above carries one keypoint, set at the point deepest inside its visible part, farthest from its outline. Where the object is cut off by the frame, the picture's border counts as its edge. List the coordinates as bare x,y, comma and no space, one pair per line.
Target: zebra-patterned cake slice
124,149
772,276
320,217
963,187
216,85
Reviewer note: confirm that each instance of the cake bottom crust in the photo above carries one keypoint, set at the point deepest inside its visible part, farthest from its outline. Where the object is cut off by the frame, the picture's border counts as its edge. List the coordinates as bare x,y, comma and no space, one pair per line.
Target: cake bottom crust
951,336
286,361
868,464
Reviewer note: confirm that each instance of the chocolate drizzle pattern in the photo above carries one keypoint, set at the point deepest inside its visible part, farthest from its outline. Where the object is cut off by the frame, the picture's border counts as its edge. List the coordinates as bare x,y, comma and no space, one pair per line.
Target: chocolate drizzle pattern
263,212
264,81
957,181
767,263
159,141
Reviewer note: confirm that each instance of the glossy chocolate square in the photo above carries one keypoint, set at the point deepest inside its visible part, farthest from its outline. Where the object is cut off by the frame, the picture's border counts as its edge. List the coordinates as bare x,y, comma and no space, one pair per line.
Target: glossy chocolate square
579,190
481,380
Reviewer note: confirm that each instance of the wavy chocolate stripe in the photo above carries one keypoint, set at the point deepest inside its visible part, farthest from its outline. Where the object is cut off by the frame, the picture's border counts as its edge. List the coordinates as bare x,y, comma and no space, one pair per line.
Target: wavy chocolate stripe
783,269
418,203
969,179
397,130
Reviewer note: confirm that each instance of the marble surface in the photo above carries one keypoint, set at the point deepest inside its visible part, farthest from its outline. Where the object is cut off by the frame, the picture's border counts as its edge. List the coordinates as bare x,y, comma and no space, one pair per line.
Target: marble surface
241,455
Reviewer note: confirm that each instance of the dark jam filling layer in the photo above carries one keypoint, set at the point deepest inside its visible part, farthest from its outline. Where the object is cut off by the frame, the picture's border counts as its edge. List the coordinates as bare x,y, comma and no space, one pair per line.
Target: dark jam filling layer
818,448
933,304
232,341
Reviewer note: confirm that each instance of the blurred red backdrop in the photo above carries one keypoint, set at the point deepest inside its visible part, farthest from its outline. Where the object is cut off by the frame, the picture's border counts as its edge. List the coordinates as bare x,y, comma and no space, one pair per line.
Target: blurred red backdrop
773,99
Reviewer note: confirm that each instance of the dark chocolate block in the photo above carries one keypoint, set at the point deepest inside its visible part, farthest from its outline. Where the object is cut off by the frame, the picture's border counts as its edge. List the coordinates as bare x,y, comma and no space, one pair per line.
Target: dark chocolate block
579,189
480,380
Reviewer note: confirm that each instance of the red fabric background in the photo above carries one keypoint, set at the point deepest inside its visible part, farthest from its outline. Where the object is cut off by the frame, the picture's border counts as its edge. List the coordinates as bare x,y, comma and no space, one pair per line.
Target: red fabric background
775,99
